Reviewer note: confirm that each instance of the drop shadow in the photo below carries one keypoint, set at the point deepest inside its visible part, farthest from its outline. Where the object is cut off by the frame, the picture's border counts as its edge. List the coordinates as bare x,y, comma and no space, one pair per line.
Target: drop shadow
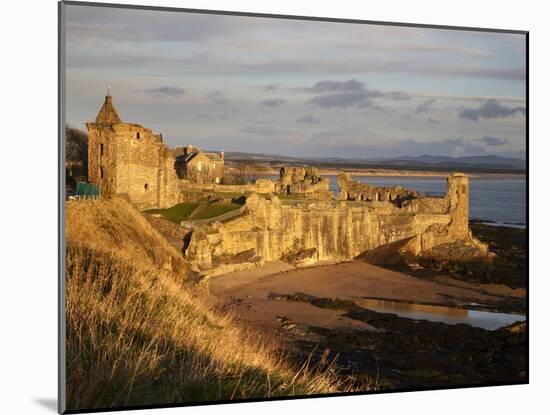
48,403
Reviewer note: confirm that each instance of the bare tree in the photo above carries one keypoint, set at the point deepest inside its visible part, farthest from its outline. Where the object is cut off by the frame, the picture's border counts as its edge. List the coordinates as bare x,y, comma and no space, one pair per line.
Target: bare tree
76,151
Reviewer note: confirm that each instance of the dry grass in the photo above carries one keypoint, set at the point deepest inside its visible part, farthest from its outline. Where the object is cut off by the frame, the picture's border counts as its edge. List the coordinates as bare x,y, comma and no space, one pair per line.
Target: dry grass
115,225
138,335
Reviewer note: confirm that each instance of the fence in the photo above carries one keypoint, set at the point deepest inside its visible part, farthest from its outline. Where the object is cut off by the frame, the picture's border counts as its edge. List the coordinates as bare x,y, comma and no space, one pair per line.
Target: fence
220,218
86,191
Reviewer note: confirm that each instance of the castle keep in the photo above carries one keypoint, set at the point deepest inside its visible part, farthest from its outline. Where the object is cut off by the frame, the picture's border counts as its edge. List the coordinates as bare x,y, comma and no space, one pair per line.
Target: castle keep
126,158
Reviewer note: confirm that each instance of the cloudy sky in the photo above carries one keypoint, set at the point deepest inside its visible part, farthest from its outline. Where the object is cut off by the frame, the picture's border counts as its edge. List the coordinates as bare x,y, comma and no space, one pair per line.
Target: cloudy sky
299,88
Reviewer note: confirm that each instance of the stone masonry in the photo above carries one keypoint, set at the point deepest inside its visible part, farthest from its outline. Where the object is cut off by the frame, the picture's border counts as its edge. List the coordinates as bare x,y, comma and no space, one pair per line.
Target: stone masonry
334,230
353,190
126,158
304,182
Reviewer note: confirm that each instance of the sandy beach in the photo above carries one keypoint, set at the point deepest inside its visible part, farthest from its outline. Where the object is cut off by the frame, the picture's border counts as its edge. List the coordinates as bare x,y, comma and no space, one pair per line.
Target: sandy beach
250,293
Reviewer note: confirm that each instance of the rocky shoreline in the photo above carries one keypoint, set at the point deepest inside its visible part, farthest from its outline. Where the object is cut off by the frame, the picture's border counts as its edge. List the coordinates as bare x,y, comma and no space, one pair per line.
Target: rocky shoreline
316,319
401,353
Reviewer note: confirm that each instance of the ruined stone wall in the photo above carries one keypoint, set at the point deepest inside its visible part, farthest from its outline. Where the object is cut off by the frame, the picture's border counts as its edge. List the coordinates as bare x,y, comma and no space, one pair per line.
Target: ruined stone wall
354,190
304,182
332,230
145,167
335,230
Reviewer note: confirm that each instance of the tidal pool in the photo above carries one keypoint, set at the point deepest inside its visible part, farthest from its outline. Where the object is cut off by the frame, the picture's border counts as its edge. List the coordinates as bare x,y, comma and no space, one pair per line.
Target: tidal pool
448,315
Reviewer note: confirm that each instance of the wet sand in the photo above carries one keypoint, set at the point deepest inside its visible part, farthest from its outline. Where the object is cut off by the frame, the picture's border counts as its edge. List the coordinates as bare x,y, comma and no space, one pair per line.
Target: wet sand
252,294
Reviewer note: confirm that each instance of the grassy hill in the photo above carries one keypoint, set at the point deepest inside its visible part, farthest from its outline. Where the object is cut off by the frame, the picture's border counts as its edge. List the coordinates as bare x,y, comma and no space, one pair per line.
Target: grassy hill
139,334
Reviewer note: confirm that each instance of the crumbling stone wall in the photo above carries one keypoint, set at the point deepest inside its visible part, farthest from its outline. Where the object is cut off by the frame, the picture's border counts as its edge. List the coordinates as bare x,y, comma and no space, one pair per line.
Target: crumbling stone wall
305,182
354,190
333,230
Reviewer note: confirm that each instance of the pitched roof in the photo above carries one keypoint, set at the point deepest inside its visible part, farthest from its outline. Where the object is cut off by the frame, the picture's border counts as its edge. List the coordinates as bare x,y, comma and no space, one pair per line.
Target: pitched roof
108,113
213,156
187,157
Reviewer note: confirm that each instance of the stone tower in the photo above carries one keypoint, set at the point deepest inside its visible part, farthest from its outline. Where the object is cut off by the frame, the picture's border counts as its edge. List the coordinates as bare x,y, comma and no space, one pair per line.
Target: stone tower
457,193
102,148
126,158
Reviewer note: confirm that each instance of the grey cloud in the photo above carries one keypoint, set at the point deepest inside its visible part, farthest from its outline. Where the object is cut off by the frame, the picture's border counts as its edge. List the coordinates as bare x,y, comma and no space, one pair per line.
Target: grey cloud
271,87
263,130
350,85
212,117
217,97
358,144
273,102
342,100
112,29
515,74
432,121
343,94
166,91
425,106
308,119
494,141
398,96
108,24
490,109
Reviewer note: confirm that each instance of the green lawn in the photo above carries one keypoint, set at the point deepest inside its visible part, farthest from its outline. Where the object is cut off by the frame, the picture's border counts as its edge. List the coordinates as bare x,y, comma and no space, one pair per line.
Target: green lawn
182,211
215,209
176,213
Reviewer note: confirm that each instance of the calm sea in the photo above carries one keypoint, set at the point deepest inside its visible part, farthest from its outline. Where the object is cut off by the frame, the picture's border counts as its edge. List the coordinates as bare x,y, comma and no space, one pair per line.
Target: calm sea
491,199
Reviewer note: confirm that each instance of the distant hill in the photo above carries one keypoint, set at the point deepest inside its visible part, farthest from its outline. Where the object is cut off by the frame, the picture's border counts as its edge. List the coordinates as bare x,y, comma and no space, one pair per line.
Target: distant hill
489,163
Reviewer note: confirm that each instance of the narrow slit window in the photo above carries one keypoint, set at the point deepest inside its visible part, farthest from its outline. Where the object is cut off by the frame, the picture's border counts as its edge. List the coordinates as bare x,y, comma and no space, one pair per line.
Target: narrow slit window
137,135
101,172
101,150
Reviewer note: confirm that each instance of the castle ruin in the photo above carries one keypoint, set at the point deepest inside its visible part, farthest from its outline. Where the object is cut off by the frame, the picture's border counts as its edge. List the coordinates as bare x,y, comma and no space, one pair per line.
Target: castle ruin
273,229
356,191
126,158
